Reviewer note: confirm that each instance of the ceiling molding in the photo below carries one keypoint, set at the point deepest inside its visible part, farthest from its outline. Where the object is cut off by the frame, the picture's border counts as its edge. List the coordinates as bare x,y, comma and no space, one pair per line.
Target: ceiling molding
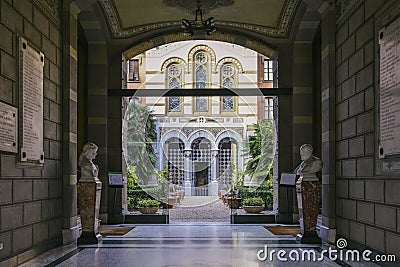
282,30
191,6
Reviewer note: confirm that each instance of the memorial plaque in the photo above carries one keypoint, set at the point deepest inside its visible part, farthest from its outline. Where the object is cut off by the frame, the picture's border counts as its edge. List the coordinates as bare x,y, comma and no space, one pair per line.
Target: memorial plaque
31,91
389,45
8,128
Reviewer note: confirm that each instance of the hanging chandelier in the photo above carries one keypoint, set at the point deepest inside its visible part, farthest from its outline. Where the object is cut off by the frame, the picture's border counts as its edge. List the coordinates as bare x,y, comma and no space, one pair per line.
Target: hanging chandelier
198,26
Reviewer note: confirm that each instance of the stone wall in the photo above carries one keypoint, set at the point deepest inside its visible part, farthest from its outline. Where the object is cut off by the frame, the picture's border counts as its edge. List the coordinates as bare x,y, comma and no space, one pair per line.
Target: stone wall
31,197
366,203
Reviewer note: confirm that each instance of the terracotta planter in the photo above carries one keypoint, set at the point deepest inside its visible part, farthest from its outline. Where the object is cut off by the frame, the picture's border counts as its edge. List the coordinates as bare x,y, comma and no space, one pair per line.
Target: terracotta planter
234,203
173,200
253,209
148,210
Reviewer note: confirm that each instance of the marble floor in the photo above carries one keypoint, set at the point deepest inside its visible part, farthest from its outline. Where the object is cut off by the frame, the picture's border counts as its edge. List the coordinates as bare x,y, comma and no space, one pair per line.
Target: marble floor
187,244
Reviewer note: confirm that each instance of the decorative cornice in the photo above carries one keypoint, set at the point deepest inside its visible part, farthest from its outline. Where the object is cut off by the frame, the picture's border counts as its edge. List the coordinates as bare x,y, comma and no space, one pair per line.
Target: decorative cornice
51,8
282,31
187,131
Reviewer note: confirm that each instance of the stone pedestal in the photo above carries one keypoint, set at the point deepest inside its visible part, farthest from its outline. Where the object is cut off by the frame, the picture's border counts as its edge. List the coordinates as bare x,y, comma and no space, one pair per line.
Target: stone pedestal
188,188
89,193
308,189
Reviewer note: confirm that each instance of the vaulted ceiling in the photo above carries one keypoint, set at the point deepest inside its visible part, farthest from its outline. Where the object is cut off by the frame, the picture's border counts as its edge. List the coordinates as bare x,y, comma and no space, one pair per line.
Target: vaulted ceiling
250,23
127,18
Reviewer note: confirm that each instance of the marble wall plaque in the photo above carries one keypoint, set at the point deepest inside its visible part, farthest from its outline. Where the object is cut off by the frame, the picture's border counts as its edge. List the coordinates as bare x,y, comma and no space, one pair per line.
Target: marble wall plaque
389,63
8,128
31,92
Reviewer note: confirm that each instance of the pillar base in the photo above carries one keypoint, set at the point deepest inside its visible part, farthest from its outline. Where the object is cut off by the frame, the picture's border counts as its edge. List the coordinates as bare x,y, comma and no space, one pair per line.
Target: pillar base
328,235
284,218
213,188
87,238
70,235
310,237
188,188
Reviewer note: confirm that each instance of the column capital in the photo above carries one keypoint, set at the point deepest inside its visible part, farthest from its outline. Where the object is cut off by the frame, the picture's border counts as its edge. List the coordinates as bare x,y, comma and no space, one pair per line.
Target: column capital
187,152
214,152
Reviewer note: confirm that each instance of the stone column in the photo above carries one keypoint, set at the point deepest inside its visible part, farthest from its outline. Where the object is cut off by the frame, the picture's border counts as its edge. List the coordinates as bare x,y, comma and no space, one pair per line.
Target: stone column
328,110
213,185
97,114
70,63
187,171
114,133
284,123
303,105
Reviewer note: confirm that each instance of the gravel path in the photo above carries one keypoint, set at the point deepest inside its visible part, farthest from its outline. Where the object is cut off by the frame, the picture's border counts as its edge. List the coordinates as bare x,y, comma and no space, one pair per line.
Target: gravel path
200,209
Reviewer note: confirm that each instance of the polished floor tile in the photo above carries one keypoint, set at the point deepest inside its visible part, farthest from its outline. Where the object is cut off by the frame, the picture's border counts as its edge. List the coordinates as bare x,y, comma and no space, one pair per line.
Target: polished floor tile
191,244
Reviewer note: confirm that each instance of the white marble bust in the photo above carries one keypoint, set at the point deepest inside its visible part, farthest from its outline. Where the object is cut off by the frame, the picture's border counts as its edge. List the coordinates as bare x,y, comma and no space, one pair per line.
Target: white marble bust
89,170
310,164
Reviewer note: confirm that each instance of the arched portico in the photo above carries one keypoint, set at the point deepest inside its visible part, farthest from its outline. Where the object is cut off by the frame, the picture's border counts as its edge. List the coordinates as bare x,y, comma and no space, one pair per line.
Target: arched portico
142,41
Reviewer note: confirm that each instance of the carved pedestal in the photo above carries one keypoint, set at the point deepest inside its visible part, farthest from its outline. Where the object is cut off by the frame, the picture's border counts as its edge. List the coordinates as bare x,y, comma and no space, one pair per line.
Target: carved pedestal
308,190
89,193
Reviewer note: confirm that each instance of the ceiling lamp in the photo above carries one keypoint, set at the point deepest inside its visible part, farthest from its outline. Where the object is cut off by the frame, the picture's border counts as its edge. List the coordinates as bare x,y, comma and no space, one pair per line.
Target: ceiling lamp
198,26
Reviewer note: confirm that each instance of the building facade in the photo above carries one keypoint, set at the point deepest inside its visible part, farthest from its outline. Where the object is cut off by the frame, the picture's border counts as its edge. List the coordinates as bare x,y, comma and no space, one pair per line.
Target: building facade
202,138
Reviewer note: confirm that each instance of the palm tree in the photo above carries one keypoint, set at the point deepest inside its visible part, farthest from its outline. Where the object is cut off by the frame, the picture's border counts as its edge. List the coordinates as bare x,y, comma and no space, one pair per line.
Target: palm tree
260,150
141,137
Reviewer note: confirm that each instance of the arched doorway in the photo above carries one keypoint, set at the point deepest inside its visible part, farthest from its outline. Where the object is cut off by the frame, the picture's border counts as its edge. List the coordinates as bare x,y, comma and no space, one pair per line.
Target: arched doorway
201,166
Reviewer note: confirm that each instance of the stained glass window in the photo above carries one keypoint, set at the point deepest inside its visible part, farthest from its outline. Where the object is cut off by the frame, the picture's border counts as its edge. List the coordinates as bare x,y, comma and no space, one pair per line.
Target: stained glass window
201,68
228,80
174,82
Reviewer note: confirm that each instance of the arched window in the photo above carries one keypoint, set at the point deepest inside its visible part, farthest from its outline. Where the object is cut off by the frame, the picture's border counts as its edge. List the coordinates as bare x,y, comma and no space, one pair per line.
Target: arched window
174,81
228,80
201,76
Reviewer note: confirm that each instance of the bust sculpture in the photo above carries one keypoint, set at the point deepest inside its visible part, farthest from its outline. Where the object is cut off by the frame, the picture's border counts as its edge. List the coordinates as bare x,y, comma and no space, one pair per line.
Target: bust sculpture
89,170
310,164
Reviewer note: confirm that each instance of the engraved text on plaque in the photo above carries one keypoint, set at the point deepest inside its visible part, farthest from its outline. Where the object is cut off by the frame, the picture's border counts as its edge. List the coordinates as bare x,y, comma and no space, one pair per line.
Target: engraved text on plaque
31,88
389,41
8,128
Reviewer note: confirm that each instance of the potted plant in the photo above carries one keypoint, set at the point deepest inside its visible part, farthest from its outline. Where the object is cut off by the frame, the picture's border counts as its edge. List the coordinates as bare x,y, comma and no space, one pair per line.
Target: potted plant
148,206
253,205
234,200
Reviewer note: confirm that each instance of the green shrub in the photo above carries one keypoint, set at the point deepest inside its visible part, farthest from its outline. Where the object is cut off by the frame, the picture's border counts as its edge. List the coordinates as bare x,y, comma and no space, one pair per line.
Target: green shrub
145,203
137,193
253,201
265,191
